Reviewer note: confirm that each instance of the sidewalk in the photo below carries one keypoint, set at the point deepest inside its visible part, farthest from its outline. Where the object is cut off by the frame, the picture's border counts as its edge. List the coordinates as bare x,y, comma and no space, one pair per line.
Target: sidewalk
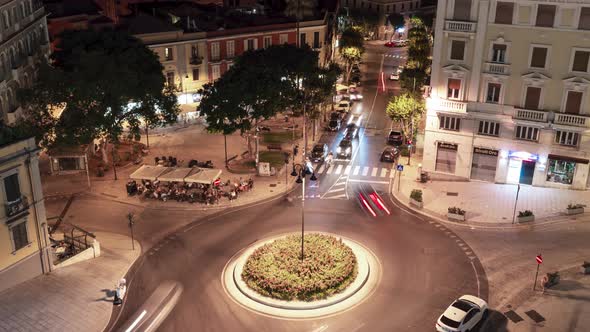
74,298
487,204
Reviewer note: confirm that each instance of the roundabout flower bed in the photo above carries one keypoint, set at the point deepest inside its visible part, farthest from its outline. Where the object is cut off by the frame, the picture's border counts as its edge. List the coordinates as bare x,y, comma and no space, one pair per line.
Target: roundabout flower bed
275,270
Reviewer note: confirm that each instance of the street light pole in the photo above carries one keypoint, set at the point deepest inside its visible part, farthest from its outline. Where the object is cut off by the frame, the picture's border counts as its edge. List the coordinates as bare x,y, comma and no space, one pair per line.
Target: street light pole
515,203
302,215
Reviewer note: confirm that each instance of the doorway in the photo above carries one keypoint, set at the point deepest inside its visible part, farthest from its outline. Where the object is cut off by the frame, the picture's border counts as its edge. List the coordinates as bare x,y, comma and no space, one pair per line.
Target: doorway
527,171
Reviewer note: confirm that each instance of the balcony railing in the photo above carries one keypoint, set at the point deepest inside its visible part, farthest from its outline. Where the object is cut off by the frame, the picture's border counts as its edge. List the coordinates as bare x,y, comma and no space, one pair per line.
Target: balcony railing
17,207
451,105
571,120
196,60
497,68
460,26
531,115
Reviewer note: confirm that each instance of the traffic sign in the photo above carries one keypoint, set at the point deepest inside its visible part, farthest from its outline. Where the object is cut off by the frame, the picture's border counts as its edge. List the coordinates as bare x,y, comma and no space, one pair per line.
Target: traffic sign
539,259
400,167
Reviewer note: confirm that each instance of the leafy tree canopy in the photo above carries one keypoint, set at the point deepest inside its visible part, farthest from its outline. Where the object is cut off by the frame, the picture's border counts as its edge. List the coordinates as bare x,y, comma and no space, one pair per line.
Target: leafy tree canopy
407,109
351,48
365,21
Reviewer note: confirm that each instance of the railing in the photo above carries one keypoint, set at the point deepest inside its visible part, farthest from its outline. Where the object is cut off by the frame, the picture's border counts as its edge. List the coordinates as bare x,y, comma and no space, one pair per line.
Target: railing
532,115
17,207
571,120
460,26
451,105
196,60
497,68
215,58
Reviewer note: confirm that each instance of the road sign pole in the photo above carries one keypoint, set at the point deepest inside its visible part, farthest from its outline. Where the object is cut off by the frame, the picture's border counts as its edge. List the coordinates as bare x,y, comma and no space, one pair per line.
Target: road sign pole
536,276
399,179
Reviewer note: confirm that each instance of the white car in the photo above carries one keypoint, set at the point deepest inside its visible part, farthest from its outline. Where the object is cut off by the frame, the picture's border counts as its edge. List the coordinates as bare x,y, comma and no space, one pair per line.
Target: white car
462,315
343,106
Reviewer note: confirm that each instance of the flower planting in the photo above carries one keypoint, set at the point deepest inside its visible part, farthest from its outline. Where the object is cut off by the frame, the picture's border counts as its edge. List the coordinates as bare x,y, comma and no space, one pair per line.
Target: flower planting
276,270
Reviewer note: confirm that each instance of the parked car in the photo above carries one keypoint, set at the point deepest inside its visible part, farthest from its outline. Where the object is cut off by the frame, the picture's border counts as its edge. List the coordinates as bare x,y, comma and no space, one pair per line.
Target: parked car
389,44
334,125
394,76
319,152
395,137
462,315
389,154
343,106
400,43
344,149
356,80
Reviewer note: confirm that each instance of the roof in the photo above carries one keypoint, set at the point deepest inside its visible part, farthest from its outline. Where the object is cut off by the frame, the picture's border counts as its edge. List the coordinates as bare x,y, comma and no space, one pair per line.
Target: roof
63,8
144,24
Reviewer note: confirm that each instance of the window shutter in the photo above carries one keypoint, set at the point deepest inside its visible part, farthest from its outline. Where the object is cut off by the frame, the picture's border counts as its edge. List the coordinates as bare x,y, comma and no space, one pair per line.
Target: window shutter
581,61
584,19
573,102
532,98
457,50
12,188
539,56
545,15
462,10
504,12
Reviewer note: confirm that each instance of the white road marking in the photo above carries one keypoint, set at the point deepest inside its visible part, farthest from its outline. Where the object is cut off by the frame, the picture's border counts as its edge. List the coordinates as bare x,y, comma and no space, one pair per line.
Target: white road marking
383,172
338,169
356,170
368,181
476,278
136,321
366,171
347,170
321,170
374,171
330,169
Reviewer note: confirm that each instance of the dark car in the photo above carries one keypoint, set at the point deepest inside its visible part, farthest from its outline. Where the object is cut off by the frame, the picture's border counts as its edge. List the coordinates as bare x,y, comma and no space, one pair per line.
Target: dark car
389,154
344,149
352,132
335,116
395,137
334,125
319,152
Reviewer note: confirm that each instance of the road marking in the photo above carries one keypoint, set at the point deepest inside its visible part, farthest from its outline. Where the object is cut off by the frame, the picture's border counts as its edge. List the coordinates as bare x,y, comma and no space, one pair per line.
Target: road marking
330,169
338,169
347,170
136,321
366,171
476,278
383,172
368,181
374,171
321,169
356,170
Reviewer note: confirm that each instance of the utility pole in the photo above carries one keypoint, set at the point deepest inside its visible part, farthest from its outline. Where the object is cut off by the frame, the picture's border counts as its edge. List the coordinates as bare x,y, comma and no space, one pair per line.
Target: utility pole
515,203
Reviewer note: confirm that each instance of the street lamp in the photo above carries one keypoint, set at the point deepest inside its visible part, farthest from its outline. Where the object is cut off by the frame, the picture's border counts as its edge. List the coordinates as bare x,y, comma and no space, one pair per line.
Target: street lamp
300,171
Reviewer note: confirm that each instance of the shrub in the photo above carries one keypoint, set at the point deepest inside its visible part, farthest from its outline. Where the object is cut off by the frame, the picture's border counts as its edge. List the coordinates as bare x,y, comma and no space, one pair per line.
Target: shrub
525,213
416,195
575,206
456,210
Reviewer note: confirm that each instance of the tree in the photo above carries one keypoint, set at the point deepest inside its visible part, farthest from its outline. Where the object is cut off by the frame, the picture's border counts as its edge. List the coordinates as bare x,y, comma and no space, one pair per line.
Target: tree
407,109
351,49
427,19
396,20
103,82
301,8
364,21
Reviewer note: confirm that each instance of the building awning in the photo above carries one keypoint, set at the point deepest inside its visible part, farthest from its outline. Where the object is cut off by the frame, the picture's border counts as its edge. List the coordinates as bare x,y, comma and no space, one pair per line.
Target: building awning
147,172
566,158
175,175
203,175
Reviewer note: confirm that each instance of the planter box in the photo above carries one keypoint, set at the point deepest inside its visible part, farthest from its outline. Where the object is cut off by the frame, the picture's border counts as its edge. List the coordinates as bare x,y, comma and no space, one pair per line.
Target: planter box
458,217
526,219
574,211
416,203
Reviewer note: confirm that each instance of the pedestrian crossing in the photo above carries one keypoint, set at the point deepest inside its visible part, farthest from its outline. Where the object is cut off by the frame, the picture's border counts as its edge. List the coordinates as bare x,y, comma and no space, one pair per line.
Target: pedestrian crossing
358,170
396,56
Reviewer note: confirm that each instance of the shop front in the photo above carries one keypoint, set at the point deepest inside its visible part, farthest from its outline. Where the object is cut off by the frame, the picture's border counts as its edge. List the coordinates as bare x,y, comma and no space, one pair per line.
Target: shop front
521,167
446,157
562,169
484,164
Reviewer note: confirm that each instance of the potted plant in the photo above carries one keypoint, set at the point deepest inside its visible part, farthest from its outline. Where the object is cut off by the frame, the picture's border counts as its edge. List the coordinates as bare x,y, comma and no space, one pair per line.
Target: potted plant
575,209
586,267
525,216
455,213
416,198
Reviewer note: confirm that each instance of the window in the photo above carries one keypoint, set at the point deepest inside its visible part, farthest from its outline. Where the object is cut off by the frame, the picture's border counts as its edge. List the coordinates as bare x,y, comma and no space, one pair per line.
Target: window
527,133
450,123
462,10
499,53
566,138
539,57
316,39
168,54
532,98
194,51
573,102
283,38
267,41
584,19
489,128
22,10
561,171
214,51
6,20
196,74
249,45
12,188
170,78
215,72
493,94
580,62
504,12
545,15
454,87
18,233
302,39
230,49
457,50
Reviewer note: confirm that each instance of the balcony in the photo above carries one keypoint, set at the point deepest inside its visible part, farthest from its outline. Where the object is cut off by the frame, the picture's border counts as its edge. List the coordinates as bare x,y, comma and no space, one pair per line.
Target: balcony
571,120
460,26
196,60
17,207
530,115
497,68
446,105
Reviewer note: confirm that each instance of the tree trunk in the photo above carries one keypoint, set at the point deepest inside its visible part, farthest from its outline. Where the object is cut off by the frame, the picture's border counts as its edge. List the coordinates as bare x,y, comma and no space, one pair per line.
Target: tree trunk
147,135
103,149
113,162
249,142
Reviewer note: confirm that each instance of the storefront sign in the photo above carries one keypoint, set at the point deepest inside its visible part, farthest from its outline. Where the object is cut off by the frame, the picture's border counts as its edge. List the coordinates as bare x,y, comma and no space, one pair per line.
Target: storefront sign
485,151
447,146
523,155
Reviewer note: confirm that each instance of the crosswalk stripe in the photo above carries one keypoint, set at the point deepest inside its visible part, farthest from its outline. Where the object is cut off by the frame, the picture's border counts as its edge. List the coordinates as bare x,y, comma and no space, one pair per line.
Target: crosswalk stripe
330,169
383,172
374,171
366,171
321,169
347,170
338,169
356,170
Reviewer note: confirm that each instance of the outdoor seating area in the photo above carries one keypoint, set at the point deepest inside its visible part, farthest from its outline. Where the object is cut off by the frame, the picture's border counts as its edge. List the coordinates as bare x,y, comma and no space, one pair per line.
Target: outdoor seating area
184,184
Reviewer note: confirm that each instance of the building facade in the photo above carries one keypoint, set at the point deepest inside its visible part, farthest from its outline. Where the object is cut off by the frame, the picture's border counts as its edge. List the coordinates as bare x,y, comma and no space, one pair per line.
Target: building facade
24,240
23,40
383,6
510,100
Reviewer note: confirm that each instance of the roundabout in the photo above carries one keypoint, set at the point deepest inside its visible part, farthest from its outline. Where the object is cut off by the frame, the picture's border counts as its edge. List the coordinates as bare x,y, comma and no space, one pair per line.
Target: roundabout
337,274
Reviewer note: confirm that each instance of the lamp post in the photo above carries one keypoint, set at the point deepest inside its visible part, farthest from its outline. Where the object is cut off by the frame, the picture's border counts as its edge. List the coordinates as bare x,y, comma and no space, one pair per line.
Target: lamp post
300,171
